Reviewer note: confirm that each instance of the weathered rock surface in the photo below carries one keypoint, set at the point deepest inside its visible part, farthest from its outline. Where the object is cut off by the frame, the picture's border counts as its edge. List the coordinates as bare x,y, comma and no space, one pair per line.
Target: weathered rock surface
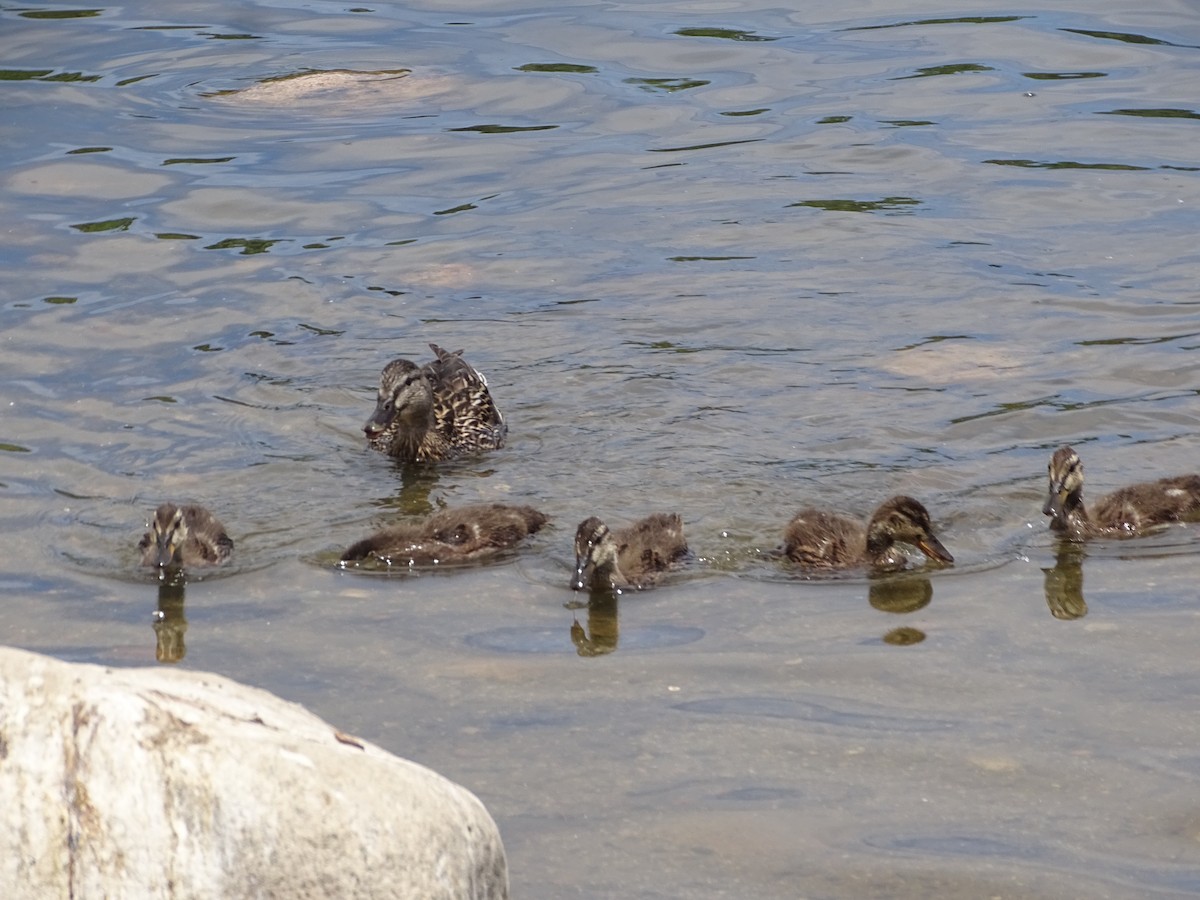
143,783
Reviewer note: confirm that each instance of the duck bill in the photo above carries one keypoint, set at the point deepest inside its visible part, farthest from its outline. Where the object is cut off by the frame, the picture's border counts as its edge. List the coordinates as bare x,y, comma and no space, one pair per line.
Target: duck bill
583,575
166,553
1055,502
379,421
933,548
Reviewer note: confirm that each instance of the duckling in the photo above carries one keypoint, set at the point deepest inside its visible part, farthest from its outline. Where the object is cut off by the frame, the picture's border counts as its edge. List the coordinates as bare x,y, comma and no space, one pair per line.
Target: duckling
433,412
633,557
465,534
817,539
184,536
1130,511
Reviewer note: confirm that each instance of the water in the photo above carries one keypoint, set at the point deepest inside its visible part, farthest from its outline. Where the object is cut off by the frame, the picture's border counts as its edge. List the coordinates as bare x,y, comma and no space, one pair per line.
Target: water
718,259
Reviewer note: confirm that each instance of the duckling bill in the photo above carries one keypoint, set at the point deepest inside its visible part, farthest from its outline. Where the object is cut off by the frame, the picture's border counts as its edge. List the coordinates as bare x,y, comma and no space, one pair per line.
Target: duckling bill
466,534
184,536
818,539
434,412
1125,513
633,557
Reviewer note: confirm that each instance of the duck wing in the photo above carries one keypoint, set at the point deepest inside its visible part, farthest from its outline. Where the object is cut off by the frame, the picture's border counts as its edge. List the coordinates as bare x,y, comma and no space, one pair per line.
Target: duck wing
463,410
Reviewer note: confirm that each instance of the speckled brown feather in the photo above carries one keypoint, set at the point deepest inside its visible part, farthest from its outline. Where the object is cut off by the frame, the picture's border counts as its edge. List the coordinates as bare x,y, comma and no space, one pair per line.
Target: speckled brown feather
1127,512
462,534
185,536
819,539
635,556
438,411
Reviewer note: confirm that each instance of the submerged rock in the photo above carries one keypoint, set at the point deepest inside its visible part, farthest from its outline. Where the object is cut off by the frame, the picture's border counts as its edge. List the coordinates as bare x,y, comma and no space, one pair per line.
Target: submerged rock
337,90
160,782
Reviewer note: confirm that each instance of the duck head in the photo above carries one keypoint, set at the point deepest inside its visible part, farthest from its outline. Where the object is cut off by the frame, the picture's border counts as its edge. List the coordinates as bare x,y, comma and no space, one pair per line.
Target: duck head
595,552
1066,485
163,546
904,520
405,398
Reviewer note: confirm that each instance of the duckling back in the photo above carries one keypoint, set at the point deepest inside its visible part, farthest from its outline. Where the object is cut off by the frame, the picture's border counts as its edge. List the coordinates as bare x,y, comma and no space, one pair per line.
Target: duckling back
1138,507
819,539
462,534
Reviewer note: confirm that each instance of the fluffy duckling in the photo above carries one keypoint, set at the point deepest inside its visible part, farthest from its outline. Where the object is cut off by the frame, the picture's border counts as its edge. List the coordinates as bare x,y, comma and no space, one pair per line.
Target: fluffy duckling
817,539
433,412
630,557
465,534
1125,513
184,536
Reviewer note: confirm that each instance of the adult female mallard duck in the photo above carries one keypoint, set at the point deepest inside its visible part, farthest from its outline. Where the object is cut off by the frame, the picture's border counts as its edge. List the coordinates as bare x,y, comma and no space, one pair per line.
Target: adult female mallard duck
437,411
461,535
817,539
184,536
633,557
1130,511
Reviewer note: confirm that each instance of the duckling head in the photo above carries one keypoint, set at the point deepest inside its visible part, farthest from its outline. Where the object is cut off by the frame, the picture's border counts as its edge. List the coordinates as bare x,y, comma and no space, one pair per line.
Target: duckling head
595,552
168,534
904,520
405,398
1066,485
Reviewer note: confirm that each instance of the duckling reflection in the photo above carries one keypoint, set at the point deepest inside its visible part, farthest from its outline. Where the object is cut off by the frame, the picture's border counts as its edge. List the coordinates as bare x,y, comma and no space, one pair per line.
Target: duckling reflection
170,625
1128,512
603,629
632,557
465,534
904,636
818,539
1064,582
900,595
438,411
184,537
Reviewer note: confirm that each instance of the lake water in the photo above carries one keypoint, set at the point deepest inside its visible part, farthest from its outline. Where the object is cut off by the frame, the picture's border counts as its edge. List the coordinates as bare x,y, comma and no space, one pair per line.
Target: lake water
718,258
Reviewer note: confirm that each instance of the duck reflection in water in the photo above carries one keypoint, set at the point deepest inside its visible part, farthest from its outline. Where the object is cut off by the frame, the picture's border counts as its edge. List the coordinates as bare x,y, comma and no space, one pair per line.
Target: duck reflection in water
603,629
899,595
170,625
1064,582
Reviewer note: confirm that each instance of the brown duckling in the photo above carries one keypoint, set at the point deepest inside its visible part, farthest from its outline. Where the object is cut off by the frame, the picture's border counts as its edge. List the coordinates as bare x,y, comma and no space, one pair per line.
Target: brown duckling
437,411
633,557
460,535
817,539
1130,511
184,536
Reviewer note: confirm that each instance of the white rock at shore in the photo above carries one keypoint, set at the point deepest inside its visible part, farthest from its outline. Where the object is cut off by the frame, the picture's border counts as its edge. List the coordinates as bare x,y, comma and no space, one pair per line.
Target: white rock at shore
144,783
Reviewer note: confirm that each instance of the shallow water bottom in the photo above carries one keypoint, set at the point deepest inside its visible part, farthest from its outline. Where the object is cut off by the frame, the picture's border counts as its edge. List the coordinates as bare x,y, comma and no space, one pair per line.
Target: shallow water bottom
728,736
